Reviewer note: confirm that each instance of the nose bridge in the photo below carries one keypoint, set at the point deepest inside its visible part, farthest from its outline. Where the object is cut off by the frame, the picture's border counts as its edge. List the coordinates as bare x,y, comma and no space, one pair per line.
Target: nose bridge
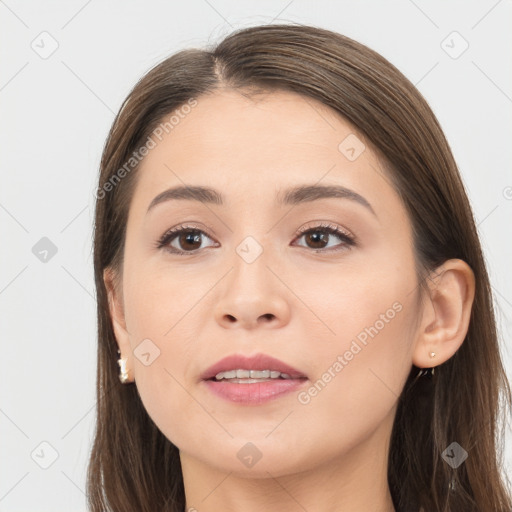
252,242
250,275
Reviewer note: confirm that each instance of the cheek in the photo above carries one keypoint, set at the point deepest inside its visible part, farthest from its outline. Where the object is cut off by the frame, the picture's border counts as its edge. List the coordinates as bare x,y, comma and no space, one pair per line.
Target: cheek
163,324
364,323
158,300
347,298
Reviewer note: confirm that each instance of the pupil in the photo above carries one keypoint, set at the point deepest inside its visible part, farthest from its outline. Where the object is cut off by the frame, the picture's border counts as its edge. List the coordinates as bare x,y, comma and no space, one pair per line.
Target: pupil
191,237
316,237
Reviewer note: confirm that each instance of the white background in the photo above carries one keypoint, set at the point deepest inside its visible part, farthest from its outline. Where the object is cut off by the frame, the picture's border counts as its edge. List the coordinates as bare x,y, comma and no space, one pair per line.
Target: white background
55,114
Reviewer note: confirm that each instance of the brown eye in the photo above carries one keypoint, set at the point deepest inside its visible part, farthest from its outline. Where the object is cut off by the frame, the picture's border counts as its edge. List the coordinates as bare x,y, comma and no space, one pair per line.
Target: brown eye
318,238
182,240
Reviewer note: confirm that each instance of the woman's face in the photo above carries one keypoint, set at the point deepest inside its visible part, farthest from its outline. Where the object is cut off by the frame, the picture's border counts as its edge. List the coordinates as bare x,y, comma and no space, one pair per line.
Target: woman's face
343,313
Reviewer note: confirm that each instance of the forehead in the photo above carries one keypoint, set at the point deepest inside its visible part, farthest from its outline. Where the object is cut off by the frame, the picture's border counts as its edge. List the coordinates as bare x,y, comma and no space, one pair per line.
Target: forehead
269,124
242,145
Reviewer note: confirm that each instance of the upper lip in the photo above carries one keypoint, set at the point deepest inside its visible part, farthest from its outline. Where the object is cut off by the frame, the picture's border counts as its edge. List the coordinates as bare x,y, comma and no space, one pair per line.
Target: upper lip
255,362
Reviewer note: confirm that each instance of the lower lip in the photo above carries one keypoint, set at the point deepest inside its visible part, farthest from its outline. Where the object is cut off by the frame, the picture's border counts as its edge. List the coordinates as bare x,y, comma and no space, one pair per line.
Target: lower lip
256,393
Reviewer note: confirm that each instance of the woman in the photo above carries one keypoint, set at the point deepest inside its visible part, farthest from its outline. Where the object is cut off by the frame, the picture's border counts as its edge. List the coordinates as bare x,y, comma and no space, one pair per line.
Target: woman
291,291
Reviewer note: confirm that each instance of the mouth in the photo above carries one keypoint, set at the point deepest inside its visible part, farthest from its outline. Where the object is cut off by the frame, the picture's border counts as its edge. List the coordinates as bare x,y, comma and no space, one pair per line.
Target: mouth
252,380
259,366
241,376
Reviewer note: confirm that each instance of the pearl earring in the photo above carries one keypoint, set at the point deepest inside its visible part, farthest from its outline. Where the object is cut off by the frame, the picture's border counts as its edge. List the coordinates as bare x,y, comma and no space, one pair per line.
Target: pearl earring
123,374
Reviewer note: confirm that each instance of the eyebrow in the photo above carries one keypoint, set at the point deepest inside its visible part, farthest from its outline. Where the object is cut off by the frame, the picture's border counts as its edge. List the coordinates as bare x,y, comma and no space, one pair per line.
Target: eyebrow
292,196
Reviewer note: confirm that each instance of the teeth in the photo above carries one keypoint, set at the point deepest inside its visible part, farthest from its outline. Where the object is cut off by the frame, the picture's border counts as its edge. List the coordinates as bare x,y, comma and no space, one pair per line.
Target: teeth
227,375
251,374
255,374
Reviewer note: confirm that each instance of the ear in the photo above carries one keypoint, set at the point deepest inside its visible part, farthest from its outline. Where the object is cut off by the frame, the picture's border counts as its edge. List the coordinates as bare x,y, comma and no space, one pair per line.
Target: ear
446,313
116,308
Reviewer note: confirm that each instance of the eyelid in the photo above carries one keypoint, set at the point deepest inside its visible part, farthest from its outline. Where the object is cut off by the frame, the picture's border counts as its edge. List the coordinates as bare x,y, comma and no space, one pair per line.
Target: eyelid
334,229
187,225
303,229
324,224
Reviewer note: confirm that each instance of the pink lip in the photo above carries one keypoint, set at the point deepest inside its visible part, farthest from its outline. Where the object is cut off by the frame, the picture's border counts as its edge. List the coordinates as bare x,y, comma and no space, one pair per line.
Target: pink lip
256,362
256,393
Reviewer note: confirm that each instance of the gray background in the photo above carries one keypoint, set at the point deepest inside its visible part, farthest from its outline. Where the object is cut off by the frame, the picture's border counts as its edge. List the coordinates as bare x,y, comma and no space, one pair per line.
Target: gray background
56,109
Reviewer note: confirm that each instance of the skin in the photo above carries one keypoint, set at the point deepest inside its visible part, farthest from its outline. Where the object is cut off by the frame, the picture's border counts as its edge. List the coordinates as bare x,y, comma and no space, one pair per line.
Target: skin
299,306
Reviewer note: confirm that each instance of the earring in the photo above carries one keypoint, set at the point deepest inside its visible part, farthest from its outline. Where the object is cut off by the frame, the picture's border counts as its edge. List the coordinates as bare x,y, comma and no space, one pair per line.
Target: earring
123,374
432,370
426,371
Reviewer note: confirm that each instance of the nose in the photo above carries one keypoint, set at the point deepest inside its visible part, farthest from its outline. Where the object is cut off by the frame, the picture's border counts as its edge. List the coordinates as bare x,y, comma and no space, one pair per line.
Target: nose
252,296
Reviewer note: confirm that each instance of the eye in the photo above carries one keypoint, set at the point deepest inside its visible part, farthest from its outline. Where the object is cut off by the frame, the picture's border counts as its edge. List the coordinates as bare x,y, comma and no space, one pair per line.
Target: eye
186,237
319,236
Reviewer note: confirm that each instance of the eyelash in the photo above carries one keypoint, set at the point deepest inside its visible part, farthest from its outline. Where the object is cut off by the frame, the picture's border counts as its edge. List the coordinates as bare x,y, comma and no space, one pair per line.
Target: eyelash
168,236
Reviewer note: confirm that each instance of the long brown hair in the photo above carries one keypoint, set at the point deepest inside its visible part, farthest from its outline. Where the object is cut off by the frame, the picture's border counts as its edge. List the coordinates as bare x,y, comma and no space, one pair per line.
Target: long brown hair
133,466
